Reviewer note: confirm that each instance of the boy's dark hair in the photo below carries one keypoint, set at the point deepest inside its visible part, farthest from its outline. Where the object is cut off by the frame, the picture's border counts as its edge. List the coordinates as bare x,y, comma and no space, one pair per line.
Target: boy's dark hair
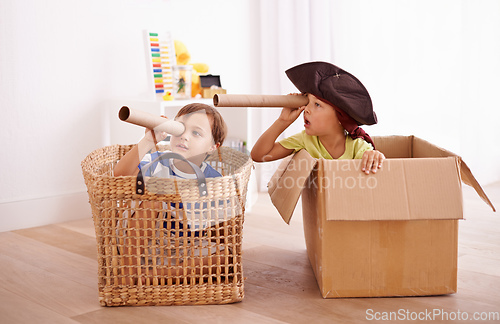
219,127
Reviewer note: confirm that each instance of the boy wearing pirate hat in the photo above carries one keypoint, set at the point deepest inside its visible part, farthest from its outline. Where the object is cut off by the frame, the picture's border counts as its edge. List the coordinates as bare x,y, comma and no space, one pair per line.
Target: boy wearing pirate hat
338,105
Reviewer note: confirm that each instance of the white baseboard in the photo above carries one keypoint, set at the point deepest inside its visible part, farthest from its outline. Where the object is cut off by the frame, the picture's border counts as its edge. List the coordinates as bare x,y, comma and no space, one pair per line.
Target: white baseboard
44,211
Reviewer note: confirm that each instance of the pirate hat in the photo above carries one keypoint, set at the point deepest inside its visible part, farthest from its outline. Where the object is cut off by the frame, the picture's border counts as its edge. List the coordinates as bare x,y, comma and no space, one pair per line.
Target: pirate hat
336,86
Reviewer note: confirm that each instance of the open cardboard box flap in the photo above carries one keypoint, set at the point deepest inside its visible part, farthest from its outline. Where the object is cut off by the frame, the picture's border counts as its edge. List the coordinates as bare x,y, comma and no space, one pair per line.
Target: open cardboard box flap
418,181
287,182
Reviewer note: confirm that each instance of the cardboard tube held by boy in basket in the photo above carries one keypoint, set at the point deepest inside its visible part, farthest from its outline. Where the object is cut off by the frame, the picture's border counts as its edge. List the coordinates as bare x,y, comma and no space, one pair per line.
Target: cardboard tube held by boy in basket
150,121
228,100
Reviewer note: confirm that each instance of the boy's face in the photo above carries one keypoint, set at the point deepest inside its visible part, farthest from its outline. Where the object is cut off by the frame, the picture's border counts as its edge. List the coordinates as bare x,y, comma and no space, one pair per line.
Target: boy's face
320,118
196,141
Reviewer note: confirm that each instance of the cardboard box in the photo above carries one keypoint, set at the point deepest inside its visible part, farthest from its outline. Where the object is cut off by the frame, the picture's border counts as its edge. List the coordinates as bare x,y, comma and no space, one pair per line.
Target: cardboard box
394,233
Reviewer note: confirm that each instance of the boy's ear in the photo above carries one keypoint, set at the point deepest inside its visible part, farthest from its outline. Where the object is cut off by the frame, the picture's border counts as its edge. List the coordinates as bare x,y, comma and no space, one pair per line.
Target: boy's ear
213,148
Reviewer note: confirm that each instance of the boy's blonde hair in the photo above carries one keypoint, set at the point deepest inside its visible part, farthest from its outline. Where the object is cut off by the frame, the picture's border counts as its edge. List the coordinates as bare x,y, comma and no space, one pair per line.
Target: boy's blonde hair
219,127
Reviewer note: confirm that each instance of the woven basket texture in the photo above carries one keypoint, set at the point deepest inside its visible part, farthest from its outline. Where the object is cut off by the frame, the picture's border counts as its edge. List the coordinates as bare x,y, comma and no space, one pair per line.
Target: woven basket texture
168,246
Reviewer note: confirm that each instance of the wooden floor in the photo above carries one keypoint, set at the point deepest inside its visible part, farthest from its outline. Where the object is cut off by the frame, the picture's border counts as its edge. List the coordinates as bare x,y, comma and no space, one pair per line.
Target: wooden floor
49,275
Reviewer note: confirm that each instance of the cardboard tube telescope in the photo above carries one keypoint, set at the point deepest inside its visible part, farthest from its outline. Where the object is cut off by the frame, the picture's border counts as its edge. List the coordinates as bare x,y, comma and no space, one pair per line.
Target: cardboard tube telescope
150,121
291,101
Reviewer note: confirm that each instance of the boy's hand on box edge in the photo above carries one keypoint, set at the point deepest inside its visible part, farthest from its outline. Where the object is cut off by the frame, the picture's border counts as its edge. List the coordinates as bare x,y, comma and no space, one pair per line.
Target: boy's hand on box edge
371,161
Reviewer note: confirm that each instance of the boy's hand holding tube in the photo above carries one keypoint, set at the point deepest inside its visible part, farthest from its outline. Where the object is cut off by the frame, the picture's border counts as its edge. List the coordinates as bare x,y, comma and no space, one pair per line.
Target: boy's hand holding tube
127,165
158,134
288,114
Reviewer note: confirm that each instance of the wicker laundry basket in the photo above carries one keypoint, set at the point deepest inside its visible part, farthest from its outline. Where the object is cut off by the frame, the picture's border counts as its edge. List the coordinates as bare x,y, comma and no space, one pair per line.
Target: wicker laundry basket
168,243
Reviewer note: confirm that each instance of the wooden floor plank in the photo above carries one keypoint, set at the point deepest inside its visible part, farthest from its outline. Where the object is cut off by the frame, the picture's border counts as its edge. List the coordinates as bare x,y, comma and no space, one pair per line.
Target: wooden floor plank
301,284
216,314
283,307
56,260
83,226
291,260
19,310
135,315
63,296
49,274
60,237
477,284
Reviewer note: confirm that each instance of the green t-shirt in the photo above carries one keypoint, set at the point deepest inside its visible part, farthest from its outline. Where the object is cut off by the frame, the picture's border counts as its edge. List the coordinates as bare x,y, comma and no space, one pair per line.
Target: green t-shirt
354,148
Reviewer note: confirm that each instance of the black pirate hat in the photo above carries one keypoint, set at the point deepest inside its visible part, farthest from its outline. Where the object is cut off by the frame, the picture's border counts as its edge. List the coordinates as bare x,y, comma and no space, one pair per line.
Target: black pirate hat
336,86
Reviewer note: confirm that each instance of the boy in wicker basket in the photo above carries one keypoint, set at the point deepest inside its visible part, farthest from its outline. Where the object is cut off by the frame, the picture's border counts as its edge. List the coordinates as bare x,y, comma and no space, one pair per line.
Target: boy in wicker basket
205,131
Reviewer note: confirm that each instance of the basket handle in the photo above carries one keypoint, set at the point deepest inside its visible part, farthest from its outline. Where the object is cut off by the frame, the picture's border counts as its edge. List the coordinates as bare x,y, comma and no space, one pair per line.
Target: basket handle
200,177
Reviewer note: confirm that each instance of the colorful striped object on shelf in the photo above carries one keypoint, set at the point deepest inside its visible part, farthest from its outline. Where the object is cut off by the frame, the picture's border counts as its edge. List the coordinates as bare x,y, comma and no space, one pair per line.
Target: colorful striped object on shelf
161,53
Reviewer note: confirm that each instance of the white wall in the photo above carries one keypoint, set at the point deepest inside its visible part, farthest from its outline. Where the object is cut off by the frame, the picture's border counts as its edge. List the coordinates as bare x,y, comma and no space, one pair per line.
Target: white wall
432,69
61,60
431,66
